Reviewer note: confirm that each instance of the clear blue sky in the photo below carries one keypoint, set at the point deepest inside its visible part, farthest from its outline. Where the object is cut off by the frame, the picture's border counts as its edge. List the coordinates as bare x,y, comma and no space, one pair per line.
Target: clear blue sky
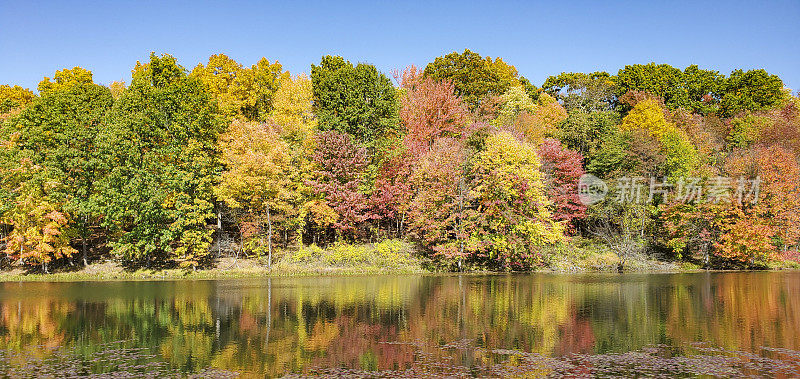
539,38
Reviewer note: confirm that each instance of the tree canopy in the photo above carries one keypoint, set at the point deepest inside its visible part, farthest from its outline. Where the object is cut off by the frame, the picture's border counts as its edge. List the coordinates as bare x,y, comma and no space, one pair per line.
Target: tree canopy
354,99
470,162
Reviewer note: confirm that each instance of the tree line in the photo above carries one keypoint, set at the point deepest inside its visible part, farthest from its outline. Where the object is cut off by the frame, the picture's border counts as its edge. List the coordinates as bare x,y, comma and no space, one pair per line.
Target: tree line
466,158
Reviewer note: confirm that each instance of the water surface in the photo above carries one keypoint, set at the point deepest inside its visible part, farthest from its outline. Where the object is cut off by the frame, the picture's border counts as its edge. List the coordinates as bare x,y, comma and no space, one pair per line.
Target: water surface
686,324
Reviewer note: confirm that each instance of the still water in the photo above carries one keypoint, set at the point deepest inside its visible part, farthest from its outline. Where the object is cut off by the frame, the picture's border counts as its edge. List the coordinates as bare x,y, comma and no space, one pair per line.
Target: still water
727,324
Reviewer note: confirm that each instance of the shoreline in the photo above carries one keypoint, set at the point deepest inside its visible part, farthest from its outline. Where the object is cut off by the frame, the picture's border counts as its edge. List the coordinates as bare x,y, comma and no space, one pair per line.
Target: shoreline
388,257
248,268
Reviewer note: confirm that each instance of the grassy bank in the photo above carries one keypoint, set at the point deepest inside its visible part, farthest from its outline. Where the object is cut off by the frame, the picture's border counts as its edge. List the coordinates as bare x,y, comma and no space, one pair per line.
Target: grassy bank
587,255
386,257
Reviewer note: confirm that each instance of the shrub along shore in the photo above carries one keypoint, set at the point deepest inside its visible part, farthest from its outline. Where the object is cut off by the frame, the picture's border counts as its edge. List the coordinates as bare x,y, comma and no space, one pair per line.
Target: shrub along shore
464,165
389,257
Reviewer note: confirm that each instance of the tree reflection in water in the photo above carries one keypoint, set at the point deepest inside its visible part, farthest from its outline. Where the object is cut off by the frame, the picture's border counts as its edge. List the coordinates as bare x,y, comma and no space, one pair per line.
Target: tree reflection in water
746,322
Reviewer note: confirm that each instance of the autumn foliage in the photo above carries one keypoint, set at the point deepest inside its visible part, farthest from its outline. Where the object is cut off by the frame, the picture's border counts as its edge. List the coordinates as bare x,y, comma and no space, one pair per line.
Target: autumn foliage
466,158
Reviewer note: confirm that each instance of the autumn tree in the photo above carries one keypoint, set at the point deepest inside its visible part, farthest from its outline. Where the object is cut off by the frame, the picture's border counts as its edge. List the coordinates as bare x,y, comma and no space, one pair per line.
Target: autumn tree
339,179
784,130
694,228
511,217
160,165
255,180
292,107
392,192
440,199
708,133
778,201
14,97
754,219
241,91
293,114
562,168
430,109
746,242
34,211
117,88
680,157
533,120
512,103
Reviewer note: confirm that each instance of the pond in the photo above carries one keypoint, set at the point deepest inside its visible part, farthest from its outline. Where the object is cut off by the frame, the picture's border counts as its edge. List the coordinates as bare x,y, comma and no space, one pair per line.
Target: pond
685,324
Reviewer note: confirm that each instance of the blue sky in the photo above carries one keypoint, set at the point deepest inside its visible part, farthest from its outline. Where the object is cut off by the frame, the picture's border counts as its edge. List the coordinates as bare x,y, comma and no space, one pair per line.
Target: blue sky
539,38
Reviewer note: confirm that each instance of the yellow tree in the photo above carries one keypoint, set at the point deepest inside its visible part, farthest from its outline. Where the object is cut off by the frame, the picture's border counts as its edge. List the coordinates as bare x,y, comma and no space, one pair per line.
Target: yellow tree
12,99
680,156
292,112
65,78
511,220
267,78
255,180
241,91
38,221
292,107
535,120
117,88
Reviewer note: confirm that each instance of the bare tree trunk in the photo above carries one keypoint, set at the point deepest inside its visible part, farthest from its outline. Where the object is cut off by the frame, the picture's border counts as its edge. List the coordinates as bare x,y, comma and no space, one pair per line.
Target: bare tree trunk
219,233
84,245
269,312
460,221
269,239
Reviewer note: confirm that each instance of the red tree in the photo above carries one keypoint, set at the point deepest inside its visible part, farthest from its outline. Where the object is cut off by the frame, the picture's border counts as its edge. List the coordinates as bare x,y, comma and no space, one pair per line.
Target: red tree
440,192
393,190
339,178
562,168
429,109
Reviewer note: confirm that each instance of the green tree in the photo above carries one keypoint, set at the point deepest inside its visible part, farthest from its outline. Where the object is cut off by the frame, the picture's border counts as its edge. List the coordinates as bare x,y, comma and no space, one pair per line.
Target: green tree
57,132
660,80
613,156
357,100
702,88
161,161
579,91
750,90
474,76
584,131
